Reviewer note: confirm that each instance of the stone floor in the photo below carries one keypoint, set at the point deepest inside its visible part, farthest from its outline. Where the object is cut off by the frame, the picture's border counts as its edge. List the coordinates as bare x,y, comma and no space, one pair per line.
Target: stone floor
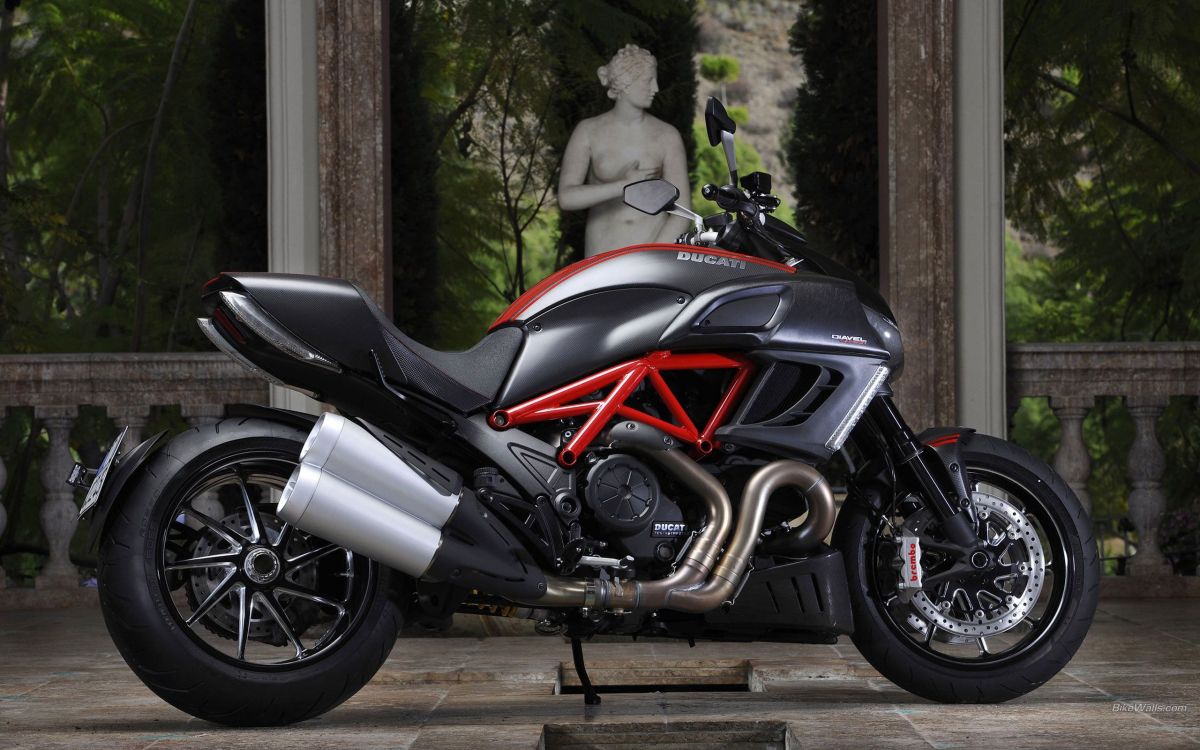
63,684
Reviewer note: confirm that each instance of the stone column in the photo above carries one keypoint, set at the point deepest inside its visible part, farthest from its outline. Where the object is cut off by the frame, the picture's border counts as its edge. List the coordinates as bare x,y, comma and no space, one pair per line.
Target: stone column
354,144
1072,461
59,514
133,417
292,155
1146,501
3,519
979,214
916,199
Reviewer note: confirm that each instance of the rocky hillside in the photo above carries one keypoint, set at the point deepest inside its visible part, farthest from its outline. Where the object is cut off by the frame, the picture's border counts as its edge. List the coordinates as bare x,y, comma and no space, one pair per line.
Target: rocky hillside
755,32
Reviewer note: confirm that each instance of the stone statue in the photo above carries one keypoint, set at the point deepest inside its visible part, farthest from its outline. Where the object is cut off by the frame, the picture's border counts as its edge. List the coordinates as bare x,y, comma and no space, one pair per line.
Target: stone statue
623,145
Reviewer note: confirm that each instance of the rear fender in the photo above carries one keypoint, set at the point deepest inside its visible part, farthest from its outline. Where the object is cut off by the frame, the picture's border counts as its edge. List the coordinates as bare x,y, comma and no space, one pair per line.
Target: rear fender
129,464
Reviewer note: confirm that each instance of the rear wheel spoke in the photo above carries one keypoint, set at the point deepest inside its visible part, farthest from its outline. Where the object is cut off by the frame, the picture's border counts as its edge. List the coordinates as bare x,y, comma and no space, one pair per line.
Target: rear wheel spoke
245,616
256,528
311,556
218,593
232,536
205,561
271,604
312,596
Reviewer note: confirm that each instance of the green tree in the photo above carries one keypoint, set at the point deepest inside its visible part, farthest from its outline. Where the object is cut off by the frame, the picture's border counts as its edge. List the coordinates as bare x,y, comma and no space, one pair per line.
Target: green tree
1103,167
833,152
102,217
720,69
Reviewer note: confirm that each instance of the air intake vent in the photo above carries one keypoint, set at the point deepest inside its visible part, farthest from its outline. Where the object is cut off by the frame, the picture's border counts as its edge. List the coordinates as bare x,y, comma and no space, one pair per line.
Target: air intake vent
791,393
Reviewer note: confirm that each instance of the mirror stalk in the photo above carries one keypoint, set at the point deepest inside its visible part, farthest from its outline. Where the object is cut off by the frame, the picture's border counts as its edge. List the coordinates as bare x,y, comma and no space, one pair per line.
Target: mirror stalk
730,158
685,213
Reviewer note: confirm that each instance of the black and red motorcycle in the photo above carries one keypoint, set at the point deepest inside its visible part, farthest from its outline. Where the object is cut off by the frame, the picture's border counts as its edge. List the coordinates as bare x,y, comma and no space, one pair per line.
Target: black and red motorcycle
640,445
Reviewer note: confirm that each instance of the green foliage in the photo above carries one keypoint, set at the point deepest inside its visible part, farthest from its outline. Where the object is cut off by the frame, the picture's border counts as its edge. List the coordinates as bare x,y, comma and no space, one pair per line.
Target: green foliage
719,68
711,166
833,149
1103,167
1103,155
581,37
79,236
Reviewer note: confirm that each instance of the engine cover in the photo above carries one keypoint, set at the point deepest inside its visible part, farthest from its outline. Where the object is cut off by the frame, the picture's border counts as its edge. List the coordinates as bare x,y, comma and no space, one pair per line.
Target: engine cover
622,493
624,497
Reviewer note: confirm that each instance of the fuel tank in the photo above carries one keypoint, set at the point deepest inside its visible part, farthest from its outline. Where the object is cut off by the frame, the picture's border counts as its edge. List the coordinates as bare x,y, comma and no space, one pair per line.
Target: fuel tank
625,303
612,307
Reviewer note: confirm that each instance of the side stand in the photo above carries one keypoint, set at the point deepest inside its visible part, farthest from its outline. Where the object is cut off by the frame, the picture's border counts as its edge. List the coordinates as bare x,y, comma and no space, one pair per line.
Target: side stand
590,697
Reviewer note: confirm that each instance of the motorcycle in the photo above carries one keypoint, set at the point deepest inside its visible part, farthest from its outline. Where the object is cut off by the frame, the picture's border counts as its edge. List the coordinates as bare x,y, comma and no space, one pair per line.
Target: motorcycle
640,445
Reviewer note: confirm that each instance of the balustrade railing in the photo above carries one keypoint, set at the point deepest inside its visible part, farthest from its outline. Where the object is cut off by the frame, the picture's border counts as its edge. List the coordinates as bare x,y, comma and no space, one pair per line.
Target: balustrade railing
127,386
1146,376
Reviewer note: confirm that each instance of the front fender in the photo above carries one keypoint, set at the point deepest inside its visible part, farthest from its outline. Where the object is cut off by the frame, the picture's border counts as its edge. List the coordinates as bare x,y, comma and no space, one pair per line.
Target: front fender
947,442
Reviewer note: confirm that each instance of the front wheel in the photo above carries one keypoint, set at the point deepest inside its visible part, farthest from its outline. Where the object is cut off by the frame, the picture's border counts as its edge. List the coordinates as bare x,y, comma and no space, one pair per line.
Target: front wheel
990,628
220,607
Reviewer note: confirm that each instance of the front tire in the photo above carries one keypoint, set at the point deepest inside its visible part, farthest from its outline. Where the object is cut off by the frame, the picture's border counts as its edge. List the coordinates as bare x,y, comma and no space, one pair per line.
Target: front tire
924,645
227,613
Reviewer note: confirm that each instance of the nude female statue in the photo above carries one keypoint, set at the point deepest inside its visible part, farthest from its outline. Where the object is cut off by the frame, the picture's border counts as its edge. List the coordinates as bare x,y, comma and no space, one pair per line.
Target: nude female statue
623,145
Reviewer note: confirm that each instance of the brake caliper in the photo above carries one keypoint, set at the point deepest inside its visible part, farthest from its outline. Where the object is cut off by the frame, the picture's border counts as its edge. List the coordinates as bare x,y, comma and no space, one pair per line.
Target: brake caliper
908,550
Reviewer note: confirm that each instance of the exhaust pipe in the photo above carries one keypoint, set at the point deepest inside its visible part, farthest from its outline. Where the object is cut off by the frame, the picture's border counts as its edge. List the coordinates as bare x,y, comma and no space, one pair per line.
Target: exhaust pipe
398,507
351,489
395,507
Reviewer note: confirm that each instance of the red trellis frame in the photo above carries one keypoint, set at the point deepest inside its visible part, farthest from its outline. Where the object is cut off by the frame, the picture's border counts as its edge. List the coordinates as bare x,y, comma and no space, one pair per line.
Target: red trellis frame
624,378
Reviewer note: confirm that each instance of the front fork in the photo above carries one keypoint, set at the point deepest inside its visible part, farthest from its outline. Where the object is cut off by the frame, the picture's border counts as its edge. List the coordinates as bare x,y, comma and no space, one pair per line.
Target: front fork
942,481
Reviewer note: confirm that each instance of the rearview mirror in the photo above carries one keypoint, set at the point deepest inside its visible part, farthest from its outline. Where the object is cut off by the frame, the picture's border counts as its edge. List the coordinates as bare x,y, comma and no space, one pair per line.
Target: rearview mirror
651,196
716,120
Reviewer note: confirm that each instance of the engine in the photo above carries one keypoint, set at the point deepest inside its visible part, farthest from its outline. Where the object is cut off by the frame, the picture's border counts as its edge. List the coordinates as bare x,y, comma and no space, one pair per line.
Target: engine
625,500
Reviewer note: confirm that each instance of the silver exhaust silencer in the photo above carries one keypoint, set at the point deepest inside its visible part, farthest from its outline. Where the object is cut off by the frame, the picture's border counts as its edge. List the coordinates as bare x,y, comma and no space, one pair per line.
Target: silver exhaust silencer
354,491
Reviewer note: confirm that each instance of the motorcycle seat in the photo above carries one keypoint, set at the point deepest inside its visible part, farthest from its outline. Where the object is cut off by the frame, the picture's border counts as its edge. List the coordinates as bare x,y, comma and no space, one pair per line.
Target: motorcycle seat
341,321
469,379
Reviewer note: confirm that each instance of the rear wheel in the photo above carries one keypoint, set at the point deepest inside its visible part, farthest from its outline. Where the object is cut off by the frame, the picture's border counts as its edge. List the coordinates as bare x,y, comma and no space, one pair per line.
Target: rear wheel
989,628
221,608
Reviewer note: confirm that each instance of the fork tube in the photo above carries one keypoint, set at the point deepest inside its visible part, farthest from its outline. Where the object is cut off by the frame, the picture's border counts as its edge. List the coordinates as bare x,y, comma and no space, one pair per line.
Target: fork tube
922,465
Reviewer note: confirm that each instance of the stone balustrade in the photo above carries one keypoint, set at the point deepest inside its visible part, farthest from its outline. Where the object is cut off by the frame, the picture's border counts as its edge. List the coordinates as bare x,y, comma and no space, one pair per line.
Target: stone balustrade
127,386
1072,376
1145,376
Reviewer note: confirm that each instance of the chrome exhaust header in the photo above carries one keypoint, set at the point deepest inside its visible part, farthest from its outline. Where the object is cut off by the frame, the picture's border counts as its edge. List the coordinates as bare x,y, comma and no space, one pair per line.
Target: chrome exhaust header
706,577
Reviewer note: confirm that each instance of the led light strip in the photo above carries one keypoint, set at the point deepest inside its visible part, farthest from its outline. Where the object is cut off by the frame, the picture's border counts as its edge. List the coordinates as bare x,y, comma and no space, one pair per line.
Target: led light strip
834,443
214,335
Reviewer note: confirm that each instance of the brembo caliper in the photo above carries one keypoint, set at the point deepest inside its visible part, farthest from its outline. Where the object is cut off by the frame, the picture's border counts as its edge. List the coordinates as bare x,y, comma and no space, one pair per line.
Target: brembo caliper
908,550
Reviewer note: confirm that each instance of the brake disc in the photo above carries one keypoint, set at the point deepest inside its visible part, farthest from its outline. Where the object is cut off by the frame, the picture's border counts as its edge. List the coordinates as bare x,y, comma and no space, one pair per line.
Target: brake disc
993,599
222,618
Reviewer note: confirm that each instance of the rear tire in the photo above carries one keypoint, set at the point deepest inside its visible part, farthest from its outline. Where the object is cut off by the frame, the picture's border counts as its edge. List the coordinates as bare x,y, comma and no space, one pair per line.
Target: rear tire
139,598
901,657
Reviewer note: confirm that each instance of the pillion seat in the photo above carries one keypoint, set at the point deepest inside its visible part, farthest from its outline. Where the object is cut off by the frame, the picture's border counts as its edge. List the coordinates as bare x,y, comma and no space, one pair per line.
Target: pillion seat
340,321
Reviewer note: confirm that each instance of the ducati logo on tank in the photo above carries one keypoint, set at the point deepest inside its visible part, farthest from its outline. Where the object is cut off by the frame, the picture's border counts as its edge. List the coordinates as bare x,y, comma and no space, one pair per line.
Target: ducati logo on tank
710,259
